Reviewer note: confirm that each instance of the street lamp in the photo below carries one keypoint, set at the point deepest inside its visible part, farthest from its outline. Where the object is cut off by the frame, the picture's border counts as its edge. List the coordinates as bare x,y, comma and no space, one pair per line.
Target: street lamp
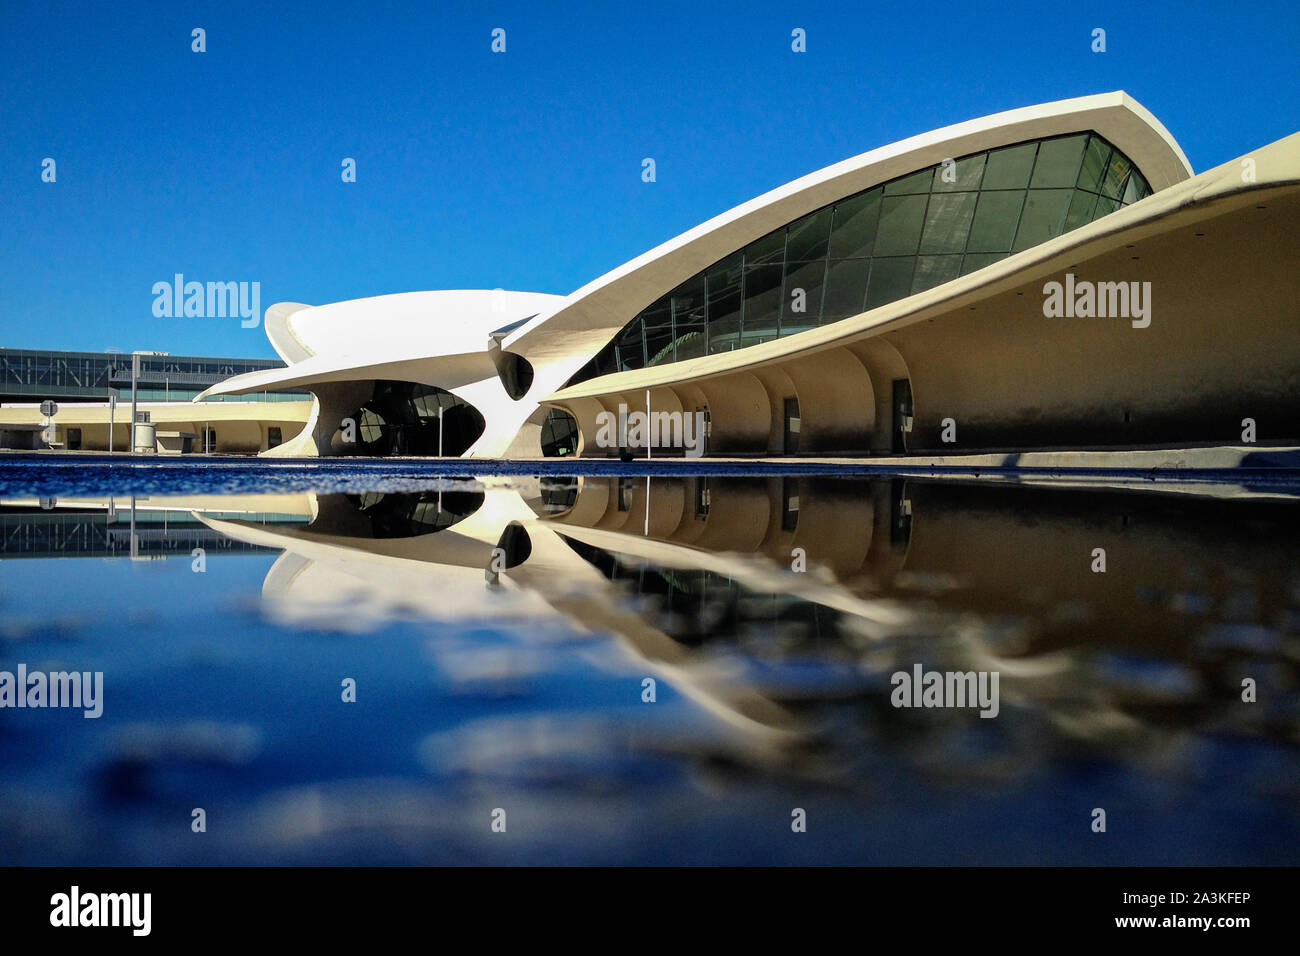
135,375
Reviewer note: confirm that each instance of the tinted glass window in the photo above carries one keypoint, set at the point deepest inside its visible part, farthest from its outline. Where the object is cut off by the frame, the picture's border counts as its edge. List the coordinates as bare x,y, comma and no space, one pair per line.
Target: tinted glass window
947,222
855,225
901,218
996,217
1042,217
891,279
846,286
934,270
880,245
1009,168
808,238
960,176
1058,162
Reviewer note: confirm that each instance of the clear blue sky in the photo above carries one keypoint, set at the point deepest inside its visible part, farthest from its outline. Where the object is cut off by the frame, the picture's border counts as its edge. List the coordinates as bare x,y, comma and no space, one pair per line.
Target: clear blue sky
519,170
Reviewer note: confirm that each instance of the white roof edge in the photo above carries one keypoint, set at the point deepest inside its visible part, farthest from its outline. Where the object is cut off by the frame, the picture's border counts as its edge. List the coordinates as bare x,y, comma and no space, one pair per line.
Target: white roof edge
279,331
1150,119
1116,115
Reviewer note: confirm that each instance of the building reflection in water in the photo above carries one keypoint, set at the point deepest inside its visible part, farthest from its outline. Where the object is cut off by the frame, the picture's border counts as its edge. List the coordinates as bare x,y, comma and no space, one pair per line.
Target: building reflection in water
697,579
777,610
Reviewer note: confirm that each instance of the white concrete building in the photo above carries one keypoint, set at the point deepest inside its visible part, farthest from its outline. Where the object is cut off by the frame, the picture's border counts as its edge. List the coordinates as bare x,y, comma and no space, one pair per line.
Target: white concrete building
895,301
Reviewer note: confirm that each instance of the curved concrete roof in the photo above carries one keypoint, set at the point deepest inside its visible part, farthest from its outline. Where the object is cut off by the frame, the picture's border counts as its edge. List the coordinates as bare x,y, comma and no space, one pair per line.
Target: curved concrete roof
366,336
1279,165
589,317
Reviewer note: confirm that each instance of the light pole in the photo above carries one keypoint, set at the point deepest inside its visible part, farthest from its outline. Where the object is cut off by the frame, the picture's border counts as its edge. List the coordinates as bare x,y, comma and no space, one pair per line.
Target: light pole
130,429
135,375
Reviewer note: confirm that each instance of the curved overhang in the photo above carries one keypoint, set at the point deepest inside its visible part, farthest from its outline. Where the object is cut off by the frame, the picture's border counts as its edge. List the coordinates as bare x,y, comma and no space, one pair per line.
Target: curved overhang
1277,166
445,371
279,330
567,336
408,336
758,576
437,322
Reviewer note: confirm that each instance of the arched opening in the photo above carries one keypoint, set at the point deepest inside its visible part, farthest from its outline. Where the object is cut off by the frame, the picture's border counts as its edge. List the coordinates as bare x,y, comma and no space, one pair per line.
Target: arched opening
409,418
410,514
558,494
559,434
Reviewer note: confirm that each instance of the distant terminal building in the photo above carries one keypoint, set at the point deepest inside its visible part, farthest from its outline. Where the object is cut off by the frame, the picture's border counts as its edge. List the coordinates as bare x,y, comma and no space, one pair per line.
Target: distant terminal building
31,528
93,392
28,375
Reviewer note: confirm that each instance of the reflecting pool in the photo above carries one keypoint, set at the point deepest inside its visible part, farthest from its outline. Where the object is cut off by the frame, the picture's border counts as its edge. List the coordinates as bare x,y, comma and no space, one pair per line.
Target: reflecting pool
362,666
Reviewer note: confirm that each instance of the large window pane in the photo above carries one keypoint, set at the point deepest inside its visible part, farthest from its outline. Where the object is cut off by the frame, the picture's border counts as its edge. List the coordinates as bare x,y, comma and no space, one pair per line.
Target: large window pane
1009,168
1094,163
901,218
659,347
1042,217
891,279
724,305
688,301
855,225
804,282
768,249
1112,183
1135,188
1057,164
978,260
689,309
947,222
846,286
996,216
658,323
934,270
808,237
631,348
1080,212
918,182
762,303
1105,206
965,175
692,341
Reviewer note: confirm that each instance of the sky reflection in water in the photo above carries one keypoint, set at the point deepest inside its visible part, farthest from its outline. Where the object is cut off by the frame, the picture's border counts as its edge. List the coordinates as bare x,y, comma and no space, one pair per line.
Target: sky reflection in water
522,689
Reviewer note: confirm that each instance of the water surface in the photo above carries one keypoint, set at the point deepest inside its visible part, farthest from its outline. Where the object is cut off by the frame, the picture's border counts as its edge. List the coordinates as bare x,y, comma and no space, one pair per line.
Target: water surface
501,631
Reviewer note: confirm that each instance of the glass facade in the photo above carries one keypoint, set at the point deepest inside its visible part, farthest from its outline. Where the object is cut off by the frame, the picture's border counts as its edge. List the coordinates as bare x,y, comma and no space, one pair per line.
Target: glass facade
880,245
411,514
407,418
96,533
559,434
91,376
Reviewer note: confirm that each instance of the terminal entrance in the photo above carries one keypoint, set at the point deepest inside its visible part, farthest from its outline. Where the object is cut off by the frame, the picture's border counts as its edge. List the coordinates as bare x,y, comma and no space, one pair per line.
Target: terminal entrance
790,443
411,419
902,406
